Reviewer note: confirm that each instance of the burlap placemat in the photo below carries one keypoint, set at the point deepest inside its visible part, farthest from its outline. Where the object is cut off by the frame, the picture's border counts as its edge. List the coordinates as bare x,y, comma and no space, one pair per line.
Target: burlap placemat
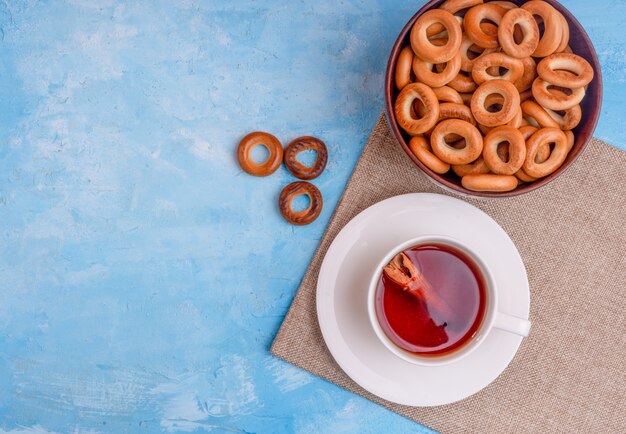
569,375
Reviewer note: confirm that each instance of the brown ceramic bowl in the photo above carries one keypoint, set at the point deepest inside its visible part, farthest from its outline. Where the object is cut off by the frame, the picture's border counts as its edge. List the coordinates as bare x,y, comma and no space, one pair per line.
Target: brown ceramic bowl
591,104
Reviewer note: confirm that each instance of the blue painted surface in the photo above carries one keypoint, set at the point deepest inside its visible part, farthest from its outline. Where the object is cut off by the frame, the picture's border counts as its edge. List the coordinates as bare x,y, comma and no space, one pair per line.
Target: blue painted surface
143,275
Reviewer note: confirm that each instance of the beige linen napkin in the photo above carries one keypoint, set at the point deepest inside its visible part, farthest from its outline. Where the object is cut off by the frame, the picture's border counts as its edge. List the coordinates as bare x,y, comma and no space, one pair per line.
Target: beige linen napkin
569,375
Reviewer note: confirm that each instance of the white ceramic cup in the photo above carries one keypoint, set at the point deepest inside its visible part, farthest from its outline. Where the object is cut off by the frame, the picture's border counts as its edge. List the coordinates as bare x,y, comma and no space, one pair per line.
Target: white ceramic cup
493,318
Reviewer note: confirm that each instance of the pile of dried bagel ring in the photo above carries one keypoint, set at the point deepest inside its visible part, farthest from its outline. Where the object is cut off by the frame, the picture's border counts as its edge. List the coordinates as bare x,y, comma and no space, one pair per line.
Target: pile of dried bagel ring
297,169
491,91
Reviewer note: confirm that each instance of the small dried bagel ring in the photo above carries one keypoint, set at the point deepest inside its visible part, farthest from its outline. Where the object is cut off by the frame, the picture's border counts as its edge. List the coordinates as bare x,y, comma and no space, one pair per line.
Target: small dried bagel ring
557,156
570,139
489,182
495,101
444,94
450,110
466,46
564,33
569,120
544,151
447,94
424,71
532,110
301,144
454,6
552,34
489,29
530,31
523,176
293,190
525,82
403,67
556,100
273,146
517,150
404,106
527,131
473,141
467,98
466,62
472,24
483,129
504,4
565,70
440,39
526,95
542,154
480,71
474,168
516,122
463,83
422,150
510,103
424,48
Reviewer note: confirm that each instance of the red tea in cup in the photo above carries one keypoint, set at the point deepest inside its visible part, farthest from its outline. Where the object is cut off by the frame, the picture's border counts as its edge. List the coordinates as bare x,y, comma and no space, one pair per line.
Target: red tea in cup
431,299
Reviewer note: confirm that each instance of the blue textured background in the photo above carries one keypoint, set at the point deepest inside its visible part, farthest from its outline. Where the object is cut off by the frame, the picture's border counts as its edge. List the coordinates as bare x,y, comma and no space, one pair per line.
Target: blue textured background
143,275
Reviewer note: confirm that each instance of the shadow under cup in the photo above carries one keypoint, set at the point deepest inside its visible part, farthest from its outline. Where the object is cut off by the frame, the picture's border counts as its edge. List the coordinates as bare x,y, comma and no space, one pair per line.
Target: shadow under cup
482,313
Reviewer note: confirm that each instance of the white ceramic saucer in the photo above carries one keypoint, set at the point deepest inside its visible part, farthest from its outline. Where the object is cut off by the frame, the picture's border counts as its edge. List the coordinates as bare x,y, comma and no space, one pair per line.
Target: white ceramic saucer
342,298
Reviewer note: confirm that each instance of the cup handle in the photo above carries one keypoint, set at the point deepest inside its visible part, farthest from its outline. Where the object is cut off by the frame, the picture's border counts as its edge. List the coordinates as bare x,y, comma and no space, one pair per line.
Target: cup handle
512,324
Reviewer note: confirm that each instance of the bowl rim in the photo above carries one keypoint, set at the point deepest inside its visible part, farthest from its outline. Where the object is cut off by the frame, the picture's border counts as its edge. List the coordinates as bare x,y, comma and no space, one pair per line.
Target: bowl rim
457,188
